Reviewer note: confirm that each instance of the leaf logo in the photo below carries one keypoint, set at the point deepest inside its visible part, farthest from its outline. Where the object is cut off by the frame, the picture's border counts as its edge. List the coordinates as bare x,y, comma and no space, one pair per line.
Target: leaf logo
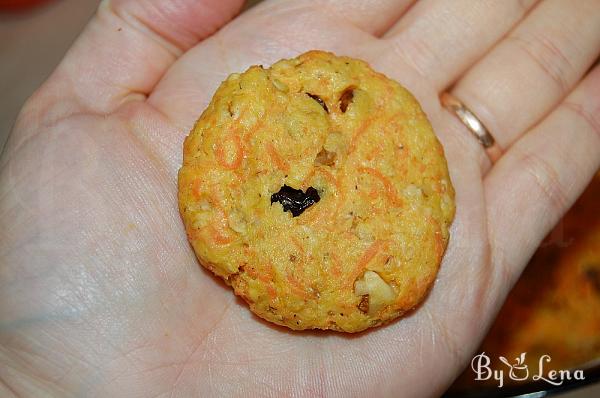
519,371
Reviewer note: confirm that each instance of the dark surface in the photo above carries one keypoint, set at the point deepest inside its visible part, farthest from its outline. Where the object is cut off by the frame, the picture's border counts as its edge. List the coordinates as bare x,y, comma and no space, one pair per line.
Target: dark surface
294,200
319,100
346,98
529,390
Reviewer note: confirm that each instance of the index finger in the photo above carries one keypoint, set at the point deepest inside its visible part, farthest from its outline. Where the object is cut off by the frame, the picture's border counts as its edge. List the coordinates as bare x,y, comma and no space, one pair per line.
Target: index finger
540,177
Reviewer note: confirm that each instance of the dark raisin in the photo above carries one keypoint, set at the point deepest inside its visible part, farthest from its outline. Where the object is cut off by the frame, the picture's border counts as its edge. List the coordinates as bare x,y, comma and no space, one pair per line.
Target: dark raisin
363,306
294,200
319,100
346,98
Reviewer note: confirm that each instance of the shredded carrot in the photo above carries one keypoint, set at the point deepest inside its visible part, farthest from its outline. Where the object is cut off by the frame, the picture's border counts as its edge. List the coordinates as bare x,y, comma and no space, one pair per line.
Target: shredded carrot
272,292
213,197
241,143
389,188
208,232
268,277
298,245
216,231
268,274
217,236
359,132
196,188
255,127
265,278
215,201
297,287
363,127
365,259
239,152
336,270
281,163
375,152
332,179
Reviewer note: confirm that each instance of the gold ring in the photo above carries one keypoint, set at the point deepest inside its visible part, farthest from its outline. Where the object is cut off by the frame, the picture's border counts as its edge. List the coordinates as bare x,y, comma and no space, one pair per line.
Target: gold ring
474,125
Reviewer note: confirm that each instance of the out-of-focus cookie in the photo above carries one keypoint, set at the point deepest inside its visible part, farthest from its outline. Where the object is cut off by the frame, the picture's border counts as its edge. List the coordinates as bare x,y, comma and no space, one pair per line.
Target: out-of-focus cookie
318,190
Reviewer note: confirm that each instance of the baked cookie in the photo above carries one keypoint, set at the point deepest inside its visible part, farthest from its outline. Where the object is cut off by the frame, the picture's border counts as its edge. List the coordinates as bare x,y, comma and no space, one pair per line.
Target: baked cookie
317,190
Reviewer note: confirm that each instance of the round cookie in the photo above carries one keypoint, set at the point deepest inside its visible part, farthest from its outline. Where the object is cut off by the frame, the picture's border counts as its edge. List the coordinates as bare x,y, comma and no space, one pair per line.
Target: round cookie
318,190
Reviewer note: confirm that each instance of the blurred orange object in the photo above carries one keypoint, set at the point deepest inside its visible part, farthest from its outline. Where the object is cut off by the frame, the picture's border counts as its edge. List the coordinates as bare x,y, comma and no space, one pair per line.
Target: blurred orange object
17,5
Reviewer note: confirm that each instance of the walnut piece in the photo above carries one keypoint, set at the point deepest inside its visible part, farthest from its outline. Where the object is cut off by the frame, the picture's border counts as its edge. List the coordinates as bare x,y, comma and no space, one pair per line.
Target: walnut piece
379,292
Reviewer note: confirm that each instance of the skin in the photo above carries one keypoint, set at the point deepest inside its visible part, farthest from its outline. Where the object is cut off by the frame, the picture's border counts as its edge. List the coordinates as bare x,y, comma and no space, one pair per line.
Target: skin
100,293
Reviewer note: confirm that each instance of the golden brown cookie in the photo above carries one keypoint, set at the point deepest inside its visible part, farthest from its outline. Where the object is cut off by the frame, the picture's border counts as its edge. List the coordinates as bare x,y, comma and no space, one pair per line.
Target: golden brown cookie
318,190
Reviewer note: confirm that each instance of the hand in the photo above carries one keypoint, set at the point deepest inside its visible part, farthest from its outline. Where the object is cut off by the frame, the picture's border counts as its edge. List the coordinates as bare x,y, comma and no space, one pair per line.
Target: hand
100,293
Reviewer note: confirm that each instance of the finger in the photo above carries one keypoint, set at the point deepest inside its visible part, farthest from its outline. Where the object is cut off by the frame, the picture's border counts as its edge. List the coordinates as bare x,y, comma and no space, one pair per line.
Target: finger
373,16
127,47
540,177
441,39
528,73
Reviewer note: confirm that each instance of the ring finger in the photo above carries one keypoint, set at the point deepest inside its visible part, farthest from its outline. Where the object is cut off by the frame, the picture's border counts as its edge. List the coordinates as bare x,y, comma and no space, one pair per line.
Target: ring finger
529,71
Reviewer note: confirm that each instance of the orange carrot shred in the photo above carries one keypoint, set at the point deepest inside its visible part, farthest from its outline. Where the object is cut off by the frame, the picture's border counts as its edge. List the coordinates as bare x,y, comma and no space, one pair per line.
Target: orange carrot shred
272,292
239,152
389,188
217,237
363,127
267,276
253,130
336,270
196,188
359,132
298,245
277,159
365,259
297,287
264,278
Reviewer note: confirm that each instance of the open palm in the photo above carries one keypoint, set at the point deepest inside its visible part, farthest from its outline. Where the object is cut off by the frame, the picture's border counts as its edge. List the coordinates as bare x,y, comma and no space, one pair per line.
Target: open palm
100,293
